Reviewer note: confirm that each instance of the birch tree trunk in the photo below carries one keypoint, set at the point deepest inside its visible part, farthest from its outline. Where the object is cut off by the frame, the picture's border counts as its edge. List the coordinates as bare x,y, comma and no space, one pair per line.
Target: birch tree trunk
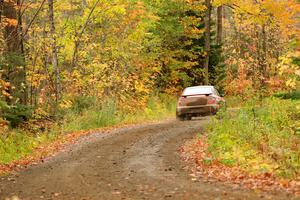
54,50
22,52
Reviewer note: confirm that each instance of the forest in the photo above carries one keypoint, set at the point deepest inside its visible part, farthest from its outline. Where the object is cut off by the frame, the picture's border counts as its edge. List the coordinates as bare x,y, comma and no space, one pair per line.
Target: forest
77,65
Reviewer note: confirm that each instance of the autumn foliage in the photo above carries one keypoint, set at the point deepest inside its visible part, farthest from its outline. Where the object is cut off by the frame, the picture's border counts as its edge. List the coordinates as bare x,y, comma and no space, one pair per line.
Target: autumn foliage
259,50
74,65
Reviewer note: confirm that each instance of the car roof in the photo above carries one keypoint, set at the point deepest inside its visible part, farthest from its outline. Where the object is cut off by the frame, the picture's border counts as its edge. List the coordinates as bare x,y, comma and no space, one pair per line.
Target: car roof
204,89
201,86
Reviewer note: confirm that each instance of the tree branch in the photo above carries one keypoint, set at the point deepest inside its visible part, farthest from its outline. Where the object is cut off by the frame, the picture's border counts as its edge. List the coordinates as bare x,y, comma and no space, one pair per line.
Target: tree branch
82,31
32,20
88,19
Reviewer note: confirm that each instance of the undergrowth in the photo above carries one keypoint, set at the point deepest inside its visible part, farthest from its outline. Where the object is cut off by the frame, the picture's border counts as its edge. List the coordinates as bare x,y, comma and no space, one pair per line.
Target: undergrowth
87,114
260,137
108,114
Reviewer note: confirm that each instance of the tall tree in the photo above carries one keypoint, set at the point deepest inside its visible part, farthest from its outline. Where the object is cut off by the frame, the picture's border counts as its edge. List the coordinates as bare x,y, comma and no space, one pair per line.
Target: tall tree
219,24
54,50
1,9
11,26
13,52
207,22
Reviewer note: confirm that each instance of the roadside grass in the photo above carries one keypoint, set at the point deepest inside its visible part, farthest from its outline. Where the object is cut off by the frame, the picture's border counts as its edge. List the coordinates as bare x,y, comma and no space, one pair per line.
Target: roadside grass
234,102
260,137
108,114
16,144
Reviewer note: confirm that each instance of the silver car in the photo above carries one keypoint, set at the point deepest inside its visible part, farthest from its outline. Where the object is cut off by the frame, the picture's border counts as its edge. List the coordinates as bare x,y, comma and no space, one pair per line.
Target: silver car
198,101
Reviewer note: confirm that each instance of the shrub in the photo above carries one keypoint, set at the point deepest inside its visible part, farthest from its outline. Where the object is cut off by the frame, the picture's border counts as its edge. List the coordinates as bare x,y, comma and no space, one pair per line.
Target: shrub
16,114
295,95
81,103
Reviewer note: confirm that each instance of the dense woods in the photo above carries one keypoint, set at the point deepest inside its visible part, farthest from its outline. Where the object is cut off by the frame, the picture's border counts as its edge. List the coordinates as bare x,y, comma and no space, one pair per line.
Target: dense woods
73,65
53,53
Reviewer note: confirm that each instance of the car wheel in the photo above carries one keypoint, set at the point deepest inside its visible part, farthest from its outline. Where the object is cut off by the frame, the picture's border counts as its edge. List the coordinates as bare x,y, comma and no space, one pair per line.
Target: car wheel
188,118
180,118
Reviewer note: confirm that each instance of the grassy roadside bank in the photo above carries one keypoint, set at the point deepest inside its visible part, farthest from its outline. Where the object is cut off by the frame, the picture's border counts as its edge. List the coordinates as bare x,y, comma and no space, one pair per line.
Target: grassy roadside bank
259,138
256,146
20,146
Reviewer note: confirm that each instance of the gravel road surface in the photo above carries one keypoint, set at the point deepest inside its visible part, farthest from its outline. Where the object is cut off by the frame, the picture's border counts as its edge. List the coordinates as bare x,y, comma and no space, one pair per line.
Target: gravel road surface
134,162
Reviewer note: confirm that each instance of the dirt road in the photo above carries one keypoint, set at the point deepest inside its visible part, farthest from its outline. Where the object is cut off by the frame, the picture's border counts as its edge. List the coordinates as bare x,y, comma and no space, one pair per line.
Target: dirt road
136,162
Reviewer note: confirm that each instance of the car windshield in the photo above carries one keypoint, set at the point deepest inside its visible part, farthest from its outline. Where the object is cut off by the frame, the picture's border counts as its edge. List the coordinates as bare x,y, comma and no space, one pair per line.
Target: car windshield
197,90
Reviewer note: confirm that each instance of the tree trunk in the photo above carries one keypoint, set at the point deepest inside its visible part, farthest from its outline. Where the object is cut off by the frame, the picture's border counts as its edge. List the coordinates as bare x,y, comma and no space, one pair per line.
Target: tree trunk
15,71
11,29
1,9
207,39
264,51
54,50
21,47
20,26
220,24
262,60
